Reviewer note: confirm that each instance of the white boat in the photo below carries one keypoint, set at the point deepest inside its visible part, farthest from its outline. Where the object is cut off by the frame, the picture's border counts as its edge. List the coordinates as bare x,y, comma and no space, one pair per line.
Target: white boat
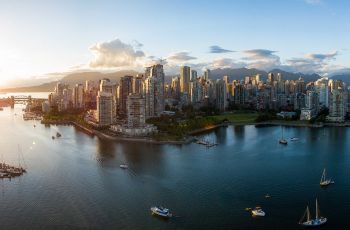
308,222
160,211
294,139
123,166
324,181
282,140
258,212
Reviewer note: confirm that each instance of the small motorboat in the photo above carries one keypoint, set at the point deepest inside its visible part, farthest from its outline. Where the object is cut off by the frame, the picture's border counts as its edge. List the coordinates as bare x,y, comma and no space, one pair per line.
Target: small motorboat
162,212
123,166
308,222
58,135
258,212
294,139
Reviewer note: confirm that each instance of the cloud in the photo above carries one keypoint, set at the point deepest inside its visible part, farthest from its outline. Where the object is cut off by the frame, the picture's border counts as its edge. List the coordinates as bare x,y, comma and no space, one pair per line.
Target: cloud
180,57
226,63
322,57
218,50
313,62
261,59
115,53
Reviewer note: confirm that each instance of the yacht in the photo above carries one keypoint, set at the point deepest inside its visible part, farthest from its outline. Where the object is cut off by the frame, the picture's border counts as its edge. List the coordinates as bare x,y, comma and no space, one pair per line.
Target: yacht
308,222
282,140
258,212
324,181
162,212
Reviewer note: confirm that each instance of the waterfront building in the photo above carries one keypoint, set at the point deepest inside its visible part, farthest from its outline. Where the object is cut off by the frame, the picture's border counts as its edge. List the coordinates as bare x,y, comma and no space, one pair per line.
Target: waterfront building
104,113
107,86
337,101
321,86
311,108
185,72
136,118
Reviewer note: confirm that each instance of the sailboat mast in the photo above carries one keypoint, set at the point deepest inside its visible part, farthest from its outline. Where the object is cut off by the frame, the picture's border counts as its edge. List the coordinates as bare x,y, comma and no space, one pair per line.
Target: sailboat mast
317,214
308,213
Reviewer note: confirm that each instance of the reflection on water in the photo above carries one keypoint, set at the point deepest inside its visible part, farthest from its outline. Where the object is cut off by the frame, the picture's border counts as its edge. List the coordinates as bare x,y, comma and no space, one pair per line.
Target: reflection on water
76,182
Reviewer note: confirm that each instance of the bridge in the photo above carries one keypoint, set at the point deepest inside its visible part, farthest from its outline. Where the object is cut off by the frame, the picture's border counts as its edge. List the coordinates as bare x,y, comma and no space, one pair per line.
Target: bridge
20,99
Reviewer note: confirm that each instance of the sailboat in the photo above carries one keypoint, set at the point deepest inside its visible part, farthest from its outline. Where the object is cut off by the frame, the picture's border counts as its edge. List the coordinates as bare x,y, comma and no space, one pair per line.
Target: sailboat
324,181
318,221
282,140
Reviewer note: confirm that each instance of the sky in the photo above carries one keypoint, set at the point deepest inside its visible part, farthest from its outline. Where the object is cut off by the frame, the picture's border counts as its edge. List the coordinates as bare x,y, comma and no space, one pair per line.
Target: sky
42,41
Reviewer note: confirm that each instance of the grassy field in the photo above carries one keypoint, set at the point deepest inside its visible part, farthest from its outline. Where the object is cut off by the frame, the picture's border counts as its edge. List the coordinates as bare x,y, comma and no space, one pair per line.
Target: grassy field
238,117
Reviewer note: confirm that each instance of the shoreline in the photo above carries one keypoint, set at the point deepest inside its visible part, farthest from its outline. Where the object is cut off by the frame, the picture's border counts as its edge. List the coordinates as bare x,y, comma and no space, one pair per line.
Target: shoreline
190,137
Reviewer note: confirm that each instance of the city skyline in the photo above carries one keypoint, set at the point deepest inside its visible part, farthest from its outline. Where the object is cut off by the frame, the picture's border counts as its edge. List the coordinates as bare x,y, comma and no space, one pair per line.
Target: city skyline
115,35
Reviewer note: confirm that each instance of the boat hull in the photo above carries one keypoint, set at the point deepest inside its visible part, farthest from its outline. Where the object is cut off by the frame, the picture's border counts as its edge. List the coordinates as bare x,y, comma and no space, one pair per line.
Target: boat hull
315,223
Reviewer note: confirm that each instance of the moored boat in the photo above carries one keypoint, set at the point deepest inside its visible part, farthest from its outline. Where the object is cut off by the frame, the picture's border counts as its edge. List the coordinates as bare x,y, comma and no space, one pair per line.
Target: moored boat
282,140
123,166
258,212
325,182
306,220
160,211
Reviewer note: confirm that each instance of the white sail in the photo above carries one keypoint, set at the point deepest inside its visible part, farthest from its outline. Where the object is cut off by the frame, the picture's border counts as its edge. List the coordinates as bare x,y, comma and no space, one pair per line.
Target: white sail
308,213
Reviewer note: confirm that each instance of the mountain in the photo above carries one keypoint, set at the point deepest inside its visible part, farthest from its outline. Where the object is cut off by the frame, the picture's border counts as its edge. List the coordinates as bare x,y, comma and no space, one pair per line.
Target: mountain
73,79
241,73
344,77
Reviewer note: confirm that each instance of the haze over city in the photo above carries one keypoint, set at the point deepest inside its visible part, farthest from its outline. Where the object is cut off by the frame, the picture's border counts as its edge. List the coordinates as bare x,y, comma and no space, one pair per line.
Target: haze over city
42,41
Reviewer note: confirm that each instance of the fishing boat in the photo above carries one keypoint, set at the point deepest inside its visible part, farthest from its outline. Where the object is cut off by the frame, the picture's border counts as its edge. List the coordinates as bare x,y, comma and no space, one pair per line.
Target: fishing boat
306,220
282,140
258,212
123,166
324,181
162,212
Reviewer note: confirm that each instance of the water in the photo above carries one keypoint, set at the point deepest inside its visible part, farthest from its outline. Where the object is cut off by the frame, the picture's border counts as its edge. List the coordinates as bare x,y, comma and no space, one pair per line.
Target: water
76,182
40,95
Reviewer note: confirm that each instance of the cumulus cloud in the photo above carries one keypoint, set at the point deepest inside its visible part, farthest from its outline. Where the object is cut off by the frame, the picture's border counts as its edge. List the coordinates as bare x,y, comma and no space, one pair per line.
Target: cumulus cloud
218,50
313,62
115,53
180,57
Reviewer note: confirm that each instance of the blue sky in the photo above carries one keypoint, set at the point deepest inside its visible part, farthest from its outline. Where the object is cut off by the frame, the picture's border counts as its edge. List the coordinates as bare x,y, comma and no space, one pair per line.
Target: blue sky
40,40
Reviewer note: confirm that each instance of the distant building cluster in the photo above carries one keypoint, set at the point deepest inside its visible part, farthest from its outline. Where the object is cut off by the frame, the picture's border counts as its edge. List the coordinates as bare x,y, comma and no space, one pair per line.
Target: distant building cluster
125,106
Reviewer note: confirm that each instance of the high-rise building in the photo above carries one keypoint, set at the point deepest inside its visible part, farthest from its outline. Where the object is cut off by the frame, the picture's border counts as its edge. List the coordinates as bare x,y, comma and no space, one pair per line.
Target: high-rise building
185,72
136,111
337,101
321,86
78,96
206,74
137,84
154,90
125,88
221,95
175,87
193,76
104,111
109,87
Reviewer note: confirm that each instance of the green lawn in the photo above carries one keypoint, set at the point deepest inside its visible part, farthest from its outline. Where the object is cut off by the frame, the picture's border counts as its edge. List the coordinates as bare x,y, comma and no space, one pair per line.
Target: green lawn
238,117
